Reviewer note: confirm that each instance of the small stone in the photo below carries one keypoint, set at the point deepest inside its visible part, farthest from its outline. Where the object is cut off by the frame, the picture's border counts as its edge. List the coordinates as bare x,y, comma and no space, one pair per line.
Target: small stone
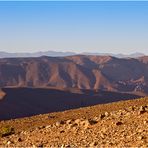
96,118
67,146
73,125
62,131
102,116
93,144
102,135
142,110
40,145
128,137
9,142
119,123
85,123
62,122
48,126
139,137
77,121
106,114
34,146
57,123
19,140
74,129
69,122
131,108
92,122
41,127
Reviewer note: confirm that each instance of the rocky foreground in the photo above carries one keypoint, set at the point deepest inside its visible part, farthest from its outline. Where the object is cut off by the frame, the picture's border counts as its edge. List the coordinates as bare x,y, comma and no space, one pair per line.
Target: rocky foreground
125,127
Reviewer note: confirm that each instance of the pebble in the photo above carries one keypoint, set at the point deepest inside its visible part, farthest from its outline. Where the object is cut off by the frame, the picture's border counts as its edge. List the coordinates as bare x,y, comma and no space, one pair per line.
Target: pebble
102,116
57,123
92,122
139,137
106,114
85,123
69,122
142,110
9,142
145,122
40,145
96,119
77,121
19,140
48,126
102,135
119,123
93,144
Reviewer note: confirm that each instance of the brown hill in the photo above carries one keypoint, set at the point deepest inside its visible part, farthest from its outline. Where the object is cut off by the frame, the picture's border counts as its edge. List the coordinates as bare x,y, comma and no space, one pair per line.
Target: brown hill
120,124
83,72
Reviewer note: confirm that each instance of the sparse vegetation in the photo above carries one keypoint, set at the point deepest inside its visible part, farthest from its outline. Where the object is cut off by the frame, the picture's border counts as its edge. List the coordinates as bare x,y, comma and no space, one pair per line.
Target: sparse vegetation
6,131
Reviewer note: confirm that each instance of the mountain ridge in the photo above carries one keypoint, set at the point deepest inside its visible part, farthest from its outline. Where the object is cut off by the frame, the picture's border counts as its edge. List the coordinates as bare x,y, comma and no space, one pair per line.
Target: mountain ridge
52,53
78,71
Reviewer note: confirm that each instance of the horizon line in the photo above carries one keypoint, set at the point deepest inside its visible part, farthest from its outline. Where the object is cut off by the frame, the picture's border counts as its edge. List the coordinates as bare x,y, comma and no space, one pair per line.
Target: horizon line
75,52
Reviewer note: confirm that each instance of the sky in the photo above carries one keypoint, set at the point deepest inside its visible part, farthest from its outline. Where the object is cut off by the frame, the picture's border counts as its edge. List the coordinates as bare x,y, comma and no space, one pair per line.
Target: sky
102,27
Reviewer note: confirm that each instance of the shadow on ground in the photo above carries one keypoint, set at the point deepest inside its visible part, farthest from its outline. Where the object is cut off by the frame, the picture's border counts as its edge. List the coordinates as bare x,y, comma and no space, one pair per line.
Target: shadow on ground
25,102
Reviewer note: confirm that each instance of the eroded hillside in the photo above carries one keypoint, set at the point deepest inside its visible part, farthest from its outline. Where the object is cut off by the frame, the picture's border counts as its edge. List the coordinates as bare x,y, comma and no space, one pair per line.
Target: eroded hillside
83,72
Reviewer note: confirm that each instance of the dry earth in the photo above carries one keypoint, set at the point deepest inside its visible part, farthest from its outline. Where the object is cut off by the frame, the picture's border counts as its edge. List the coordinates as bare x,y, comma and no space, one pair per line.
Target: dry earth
123,123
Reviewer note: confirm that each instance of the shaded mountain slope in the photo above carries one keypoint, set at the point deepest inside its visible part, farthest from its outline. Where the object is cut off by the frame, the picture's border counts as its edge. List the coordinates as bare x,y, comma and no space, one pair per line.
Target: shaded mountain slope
23,102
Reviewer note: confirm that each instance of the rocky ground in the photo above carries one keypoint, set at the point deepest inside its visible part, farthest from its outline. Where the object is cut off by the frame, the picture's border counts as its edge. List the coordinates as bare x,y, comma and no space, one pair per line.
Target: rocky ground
126,126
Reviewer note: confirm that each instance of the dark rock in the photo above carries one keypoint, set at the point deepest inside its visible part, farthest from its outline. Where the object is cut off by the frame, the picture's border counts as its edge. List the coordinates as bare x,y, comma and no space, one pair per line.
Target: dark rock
19,140
62,131
119,123
102,116
92,122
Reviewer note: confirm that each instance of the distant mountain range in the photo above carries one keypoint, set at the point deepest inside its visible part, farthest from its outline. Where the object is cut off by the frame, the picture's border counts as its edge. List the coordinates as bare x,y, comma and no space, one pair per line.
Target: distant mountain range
134,55
79,71
35,54
62,54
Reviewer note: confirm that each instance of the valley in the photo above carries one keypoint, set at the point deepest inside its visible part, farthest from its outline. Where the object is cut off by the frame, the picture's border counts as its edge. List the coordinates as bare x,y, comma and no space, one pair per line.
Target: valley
32,86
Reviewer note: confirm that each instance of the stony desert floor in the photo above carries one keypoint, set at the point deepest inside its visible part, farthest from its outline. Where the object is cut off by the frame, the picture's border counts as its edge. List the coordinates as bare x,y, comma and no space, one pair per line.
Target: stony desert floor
123,123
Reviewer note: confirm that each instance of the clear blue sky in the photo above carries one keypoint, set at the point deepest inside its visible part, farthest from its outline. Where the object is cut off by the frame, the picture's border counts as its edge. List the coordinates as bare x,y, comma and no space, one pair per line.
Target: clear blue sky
117,27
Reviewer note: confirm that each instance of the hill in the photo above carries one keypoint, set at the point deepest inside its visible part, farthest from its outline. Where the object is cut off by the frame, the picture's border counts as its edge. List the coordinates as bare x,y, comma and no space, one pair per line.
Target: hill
122,124
82,72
